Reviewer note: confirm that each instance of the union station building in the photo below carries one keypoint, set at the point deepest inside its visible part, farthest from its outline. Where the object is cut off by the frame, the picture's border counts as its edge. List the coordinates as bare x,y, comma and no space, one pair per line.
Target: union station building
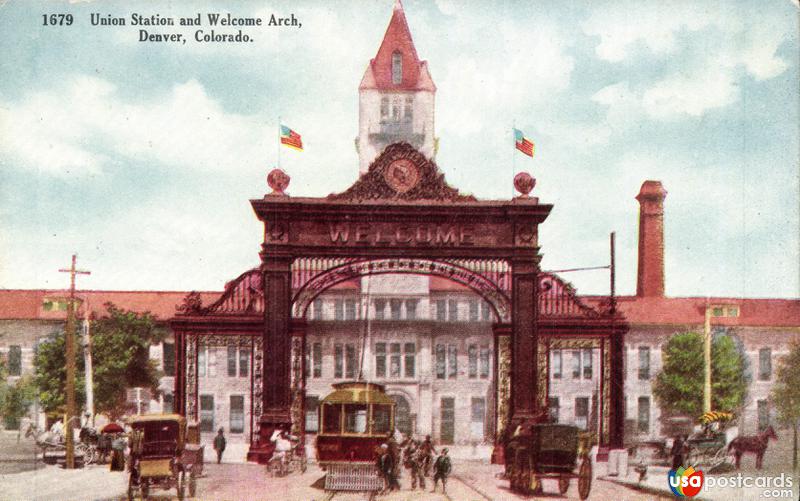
404,281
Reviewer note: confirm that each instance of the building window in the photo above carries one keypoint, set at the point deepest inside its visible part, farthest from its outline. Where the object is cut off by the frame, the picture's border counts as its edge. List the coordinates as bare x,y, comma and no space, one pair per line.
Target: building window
206,361
232,361
587,363
763,415
380,359
472,355
312,416
582,412
384,108
441,310
473,310
486,312
643,421
244,362
350,309
478,418
452,361
380,306
408,114
764,364
207,413
440,361
576,364
168,358
555,360
318,309
397,68
338,309
168,403
350,360
395,308
316,359
411,308
410,353
338,361
237,414
553,407
452,310
644,363
394,360
485,357
14,360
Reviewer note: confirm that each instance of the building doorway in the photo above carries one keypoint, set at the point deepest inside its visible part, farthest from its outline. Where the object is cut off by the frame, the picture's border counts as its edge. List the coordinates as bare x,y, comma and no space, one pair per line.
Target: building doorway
402,415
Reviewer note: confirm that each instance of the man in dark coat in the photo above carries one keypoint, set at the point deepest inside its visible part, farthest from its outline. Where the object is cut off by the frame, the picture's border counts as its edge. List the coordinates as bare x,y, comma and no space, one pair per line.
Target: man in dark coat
387,467
441,470
428,450
678,447
219,444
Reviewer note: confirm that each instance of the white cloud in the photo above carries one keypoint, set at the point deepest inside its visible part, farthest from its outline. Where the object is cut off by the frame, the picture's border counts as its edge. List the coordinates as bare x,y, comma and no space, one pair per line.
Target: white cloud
69,130
712,44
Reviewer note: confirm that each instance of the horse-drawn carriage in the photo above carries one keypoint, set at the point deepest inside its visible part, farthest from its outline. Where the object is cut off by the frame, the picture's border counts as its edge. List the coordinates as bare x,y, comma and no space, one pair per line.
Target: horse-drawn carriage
158,456
709,448
547,451
355,419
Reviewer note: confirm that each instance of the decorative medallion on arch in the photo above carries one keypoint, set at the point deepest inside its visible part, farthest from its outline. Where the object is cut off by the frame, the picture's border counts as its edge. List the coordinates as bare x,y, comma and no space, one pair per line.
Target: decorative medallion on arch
401,173
463,272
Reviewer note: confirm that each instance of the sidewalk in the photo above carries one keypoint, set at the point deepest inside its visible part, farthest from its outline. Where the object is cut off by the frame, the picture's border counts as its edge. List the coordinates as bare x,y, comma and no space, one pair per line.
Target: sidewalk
51,482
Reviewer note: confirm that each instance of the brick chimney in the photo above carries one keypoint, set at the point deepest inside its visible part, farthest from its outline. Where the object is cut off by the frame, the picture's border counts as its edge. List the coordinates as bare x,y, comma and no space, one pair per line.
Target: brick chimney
650,278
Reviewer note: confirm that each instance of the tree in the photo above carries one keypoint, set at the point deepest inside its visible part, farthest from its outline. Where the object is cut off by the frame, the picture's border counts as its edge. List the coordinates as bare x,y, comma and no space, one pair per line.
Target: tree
679,385
17,401
786,392
120,360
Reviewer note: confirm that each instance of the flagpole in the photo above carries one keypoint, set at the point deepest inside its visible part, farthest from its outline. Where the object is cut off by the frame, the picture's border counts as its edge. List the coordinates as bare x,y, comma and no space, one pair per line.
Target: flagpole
279,141
513,156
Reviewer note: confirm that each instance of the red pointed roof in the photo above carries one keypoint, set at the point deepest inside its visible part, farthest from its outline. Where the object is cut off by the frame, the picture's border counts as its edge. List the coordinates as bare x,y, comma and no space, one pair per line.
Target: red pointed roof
397,40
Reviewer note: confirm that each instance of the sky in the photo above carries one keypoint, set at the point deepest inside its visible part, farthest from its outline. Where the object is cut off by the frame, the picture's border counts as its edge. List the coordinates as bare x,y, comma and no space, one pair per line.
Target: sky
141,157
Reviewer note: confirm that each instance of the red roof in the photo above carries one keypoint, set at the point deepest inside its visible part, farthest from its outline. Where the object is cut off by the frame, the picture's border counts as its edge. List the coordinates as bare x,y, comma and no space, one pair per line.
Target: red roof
30,304
691,310
397,40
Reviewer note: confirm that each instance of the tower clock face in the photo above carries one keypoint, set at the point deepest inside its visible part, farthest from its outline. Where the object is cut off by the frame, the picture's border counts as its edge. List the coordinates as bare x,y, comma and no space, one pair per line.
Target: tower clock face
401,175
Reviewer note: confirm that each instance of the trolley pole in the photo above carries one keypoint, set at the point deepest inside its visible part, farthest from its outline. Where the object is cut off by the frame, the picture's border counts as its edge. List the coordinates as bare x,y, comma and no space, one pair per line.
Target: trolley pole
69,338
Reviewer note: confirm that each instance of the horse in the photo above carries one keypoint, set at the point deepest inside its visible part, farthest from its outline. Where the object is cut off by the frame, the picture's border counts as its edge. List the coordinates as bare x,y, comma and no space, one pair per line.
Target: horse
756,444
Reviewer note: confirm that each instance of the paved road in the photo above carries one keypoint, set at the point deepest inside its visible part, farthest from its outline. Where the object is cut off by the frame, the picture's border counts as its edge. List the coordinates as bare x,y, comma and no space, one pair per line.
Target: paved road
476,482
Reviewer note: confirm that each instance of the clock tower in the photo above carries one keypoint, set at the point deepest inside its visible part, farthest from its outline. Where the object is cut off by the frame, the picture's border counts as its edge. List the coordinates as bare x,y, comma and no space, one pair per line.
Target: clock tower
396,96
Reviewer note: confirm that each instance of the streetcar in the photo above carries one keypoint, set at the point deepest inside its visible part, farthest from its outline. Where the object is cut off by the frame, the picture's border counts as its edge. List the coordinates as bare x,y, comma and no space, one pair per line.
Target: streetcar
354,420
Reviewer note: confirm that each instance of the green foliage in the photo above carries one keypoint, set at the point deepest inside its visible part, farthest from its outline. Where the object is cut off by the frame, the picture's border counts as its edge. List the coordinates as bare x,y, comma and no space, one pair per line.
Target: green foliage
51,373
679,386
786,392
120,359
18,399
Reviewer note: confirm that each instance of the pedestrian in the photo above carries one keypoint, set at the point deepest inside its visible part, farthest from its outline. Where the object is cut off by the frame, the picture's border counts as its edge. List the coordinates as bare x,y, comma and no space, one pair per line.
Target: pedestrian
386,467
394,450
219,444
428,450
414,462
678,446
118,452
441,470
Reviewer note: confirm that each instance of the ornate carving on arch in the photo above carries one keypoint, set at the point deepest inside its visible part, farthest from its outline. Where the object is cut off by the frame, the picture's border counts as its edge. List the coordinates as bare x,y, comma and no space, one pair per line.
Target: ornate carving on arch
558,298
192,304
244,295
503,383
258,385
402,173
191,377
487,289
243,341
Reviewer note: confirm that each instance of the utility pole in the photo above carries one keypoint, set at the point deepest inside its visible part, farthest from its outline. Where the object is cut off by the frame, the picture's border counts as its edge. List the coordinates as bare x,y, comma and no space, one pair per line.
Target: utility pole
707,360
87,357
69,338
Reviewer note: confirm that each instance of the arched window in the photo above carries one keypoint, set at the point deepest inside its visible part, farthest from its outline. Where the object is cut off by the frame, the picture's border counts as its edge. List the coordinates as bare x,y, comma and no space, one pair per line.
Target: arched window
402,415
397,68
